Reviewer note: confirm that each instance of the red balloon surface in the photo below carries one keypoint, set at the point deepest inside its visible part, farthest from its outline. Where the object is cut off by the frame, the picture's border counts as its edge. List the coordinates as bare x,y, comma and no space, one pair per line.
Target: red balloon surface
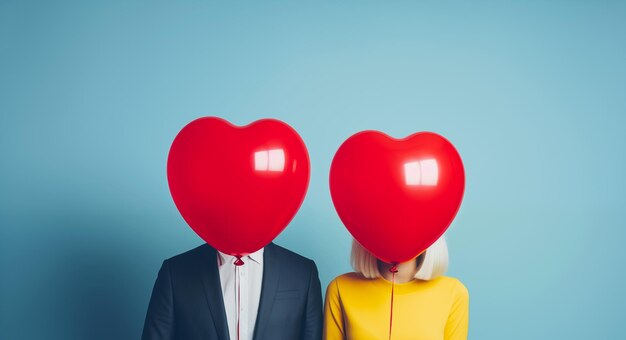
396,196
238,187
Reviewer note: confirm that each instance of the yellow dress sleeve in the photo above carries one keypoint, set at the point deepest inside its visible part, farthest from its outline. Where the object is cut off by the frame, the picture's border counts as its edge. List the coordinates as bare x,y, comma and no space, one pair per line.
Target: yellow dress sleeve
458,319
333,315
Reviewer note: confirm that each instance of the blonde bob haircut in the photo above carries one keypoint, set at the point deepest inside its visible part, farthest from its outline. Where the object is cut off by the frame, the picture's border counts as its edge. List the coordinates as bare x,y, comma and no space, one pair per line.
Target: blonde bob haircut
431,264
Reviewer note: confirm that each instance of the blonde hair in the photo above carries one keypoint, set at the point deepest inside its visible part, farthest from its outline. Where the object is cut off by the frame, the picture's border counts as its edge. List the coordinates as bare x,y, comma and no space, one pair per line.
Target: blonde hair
431,264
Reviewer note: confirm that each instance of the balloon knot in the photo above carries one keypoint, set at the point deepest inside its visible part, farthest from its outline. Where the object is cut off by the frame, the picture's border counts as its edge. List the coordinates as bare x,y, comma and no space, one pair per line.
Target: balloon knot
394,268
239,262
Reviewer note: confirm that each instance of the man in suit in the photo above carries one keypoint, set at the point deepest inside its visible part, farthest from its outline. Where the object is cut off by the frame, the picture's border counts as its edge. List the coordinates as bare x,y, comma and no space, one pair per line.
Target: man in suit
272,294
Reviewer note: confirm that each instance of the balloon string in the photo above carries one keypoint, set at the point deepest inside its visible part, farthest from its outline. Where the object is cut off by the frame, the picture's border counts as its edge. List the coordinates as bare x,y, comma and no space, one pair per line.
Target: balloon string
238,263
393,270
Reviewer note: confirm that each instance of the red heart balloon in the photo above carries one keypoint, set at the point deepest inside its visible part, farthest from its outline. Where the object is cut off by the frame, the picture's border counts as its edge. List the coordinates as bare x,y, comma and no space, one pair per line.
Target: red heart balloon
238,187
396,196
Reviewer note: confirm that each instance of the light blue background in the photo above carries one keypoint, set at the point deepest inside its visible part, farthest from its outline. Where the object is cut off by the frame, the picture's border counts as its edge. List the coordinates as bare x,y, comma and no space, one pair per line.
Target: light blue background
533,96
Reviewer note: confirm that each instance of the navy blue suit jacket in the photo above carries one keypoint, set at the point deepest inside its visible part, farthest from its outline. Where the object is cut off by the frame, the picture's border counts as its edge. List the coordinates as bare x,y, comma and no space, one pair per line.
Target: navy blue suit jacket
187,302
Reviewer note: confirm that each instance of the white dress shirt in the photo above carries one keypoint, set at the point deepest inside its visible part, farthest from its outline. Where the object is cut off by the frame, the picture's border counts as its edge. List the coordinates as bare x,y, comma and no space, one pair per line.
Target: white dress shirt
241,282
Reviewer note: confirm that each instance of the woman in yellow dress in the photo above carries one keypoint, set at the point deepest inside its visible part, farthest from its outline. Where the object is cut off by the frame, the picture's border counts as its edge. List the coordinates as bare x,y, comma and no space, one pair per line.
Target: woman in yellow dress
426,305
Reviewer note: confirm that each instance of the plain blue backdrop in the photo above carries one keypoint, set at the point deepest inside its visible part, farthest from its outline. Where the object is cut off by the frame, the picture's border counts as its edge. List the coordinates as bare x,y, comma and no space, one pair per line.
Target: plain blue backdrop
533,95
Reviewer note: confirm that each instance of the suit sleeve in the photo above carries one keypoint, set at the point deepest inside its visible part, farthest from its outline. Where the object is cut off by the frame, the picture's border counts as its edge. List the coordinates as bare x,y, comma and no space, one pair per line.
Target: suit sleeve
333,314
458,319
159,324
312,329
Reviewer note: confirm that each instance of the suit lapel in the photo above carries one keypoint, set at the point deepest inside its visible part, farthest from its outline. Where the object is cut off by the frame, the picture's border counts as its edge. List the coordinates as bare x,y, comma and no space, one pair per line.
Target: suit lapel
213,292
271,273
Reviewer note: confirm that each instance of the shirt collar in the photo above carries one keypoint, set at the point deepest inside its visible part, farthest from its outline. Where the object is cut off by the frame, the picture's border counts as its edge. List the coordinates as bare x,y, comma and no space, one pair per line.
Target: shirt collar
257,257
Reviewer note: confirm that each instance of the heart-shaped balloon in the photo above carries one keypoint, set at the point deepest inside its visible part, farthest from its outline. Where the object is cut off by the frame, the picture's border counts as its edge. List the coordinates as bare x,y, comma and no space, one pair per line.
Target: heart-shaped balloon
238,187
396,196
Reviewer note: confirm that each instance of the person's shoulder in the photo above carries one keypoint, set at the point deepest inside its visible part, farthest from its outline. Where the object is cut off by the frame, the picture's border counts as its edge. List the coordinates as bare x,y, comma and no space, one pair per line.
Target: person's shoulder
348,279
453,284
192,255
349,284
288,256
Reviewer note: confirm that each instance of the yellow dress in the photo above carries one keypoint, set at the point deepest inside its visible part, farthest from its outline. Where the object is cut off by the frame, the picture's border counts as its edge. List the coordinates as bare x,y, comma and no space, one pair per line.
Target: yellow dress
357,308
